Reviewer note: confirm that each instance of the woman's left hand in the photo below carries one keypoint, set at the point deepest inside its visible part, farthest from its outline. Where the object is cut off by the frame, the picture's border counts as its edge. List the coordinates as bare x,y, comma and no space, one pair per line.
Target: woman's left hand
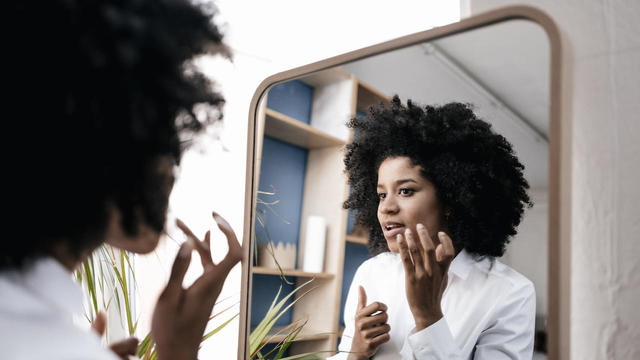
425,268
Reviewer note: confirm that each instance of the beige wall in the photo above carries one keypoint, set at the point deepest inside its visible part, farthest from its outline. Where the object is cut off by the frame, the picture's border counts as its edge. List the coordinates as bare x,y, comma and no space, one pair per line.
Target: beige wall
601,42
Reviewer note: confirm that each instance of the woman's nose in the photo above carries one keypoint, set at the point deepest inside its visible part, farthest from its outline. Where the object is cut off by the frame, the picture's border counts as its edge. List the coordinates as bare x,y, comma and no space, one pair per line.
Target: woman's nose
389,206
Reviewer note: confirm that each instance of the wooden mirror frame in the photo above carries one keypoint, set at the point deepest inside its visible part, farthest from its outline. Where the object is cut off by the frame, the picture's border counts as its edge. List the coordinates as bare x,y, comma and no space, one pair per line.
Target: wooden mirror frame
559,217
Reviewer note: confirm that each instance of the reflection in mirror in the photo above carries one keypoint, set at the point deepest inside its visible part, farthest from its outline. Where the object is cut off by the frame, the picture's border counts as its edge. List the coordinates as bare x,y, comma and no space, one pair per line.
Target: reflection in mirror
303,233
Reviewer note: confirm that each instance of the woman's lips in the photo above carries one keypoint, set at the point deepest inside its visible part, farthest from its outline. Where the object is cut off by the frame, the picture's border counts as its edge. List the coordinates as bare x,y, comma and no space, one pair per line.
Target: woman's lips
393,232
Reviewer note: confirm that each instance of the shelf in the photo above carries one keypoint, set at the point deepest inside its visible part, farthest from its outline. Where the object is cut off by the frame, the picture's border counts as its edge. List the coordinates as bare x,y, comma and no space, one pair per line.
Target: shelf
357,239
305,335
290,272
326,77
292,131
368,96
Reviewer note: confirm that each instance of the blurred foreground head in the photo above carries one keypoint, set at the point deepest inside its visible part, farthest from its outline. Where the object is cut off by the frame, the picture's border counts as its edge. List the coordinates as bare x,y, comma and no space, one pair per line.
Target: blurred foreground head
101,104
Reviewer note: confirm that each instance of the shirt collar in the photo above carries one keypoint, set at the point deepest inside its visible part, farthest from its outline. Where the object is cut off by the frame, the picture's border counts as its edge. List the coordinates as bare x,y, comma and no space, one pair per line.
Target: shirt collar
53,283
462,264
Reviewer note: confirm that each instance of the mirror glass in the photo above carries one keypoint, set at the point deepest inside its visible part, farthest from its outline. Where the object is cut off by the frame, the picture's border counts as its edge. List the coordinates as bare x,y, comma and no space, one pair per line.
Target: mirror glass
307,245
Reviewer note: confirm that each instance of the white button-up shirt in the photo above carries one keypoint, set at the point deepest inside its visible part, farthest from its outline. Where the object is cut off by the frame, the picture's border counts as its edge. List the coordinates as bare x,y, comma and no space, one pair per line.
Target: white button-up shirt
489,311
37,306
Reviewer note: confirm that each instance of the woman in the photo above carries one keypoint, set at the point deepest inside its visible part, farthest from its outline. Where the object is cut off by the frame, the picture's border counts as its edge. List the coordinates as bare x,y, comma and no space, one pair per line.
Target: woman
441,194
101,97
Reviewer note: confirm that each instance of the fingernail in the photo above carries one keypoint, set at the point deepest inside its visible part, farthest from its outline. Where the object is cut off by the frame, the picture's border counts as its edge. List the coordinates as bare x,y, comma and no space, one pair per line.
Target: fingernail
419,226
399,237
441,234
407,231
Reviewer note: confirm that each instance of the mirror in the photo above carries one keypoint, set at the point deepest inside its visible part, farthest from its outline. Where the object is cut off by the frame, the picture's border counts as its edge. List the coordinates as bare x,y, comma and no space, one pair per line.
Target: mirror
305,244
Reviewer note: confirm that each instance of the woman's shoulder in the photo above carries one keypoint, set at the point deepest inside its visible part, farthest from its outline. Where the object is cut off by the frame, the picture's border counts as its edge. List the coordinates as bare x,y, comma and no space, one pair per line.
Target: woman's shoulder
517,282
492,272
386,258
383,262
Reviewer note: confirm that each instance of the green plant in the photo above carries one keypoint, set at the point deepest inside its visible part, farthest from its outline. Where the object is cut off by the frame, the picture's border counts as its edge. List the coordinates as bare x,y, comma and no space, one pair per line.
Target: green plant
260,337
108,277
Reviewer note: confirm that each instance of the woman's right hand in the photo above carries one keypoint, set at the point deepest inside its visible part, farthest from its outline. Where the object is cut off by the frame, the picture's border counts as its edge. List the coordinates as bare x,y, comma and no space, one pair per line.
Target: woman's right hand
371,328
181,315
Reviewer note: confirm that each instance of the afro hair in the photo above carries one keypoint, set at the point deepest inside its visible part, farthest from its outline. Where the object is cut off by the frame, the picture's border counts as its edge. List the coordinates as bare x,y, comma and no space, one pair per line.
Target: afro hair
478,179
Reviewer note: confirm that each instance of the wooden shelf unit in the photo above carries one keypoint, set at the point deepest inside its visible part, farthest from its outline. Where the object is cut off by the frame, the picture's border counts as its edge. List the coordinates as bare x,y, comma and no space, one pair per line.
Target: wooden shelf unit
292,131
306,334
357,239
336,98
291,272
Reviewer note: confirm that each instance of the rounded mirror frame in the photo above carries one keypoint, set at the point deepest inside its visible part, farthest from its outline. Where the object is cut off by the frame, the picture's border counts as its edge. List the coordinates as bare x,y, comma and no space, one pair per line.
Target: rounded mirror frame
558,325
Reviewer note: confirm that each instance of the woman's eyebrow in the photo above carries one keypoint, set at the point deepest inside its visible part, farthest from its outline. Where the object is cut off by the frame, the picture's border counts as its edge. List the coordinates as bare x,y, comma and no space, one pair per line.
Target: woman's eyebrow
400,182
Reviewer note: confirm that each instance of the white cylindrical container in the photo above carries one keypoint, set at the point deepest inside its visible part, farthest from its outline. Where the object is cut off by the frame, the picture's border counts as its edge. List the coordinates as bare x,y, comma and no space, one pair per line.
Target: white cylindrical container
314,244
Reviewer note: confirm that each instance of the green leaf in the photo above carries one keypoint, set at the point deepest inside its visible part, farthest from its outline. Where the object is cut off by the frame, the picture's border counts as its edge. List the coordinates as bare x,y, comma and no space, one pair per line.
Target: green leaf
214,331
273,314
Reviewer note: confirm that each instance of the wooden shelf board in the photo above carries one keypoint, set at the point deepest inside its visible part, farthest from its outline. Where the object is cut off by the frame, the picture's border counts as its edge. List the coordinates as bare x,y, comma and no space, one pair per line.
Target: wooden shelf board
290,272
357,239
326,77
305,335
368,96
295,132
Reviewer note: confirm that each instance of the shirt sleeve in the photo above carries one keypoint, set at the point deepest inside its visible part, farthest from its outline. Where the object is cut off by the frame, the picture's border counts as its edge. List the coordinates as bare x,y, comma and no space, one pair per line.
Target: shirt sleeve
511,334
349,317
508,336
433,342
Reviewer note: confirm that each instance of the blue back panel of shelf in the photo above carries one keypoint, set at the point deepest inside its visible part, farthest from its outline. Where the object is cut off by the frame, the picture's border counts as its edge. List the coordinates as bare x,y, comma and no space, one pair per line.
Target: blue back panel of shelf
354,255
264,290
283,171
292,98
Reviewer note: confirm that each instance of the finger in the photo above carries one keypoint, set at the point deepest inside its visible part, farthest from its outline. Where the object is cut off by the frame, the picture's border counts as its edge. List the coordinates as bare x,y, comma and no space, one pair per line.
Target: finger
371,309
99,324
376,331
203,249
448,252
235,249
362,298
374,320
415,251
380,339
185,229
429,248
179,269
125,347
404,255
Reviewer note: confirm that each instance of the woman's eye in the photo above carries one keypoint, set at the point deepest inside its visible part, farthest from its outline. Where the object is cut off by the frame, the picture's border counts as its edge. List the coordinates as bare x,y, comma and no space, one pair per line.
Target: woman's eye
406,191
382,195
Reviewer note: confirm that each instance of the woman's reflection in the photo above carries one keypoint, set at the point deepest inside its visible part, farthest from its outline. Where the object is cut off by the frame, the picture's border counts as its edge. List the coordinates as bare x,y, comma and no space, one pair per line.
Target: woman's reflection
441,195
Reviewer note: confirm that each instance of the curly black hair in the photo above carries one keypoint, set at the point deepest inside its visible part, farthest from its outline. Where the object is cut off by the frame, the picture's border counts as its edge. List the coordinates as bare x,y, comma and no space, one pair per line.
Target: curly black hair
98,92
479,181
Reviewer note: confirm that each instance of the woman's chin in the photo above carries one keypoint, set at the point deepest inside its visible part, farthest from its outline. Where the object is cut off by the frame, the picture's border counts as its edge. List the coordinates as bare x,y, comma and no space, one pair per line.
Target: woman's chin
393,245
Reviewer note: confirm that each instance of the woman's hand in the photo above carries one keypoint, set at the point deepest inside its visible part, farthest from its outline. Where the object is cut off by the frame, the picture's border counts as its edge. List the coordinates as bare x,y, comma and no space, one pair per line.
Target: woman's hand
181,315
123,348
371,328
425,268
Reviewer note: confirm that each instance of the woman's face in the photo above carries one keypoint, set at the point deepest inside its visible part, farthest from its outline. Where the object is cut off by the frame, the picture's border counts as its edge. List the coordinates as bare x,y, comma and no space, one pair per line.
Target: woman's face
406,199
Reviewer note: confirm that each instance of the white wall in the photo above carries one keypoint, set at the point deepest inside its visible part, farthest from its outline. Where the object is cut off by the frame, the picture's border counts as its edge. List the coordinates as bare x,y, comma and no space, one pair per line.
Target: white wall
602,55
